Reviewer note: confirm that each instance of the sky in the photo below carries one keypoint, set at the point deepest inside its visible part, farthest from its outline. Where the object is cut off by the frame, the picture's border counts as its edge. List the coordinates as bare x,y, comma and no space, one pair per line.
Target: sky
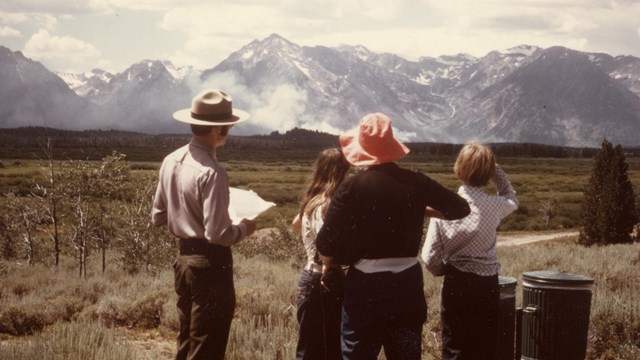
80,35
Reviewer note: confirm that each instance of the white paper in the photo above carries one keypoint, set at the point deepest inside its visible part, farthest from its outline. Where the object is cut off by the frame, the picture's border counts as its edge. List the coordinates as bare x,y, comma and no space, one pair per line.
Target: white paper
246,204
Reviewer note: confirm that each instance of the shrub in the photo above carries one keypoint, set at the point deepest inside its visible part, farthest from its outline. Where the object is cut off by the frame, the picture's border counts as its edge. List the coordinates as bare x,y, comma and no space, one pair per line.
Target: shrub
25,318
70,341
146,312
277,244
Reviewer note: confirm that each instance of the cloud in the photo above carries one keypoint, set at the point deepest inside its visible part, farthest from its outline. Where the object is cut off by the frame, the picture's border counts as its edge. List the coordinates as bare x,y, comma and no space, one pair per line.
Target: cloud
12,18
204,33
180,58
44,46
577,44
6,31
209,37
44,21
55,6
344,9
40,20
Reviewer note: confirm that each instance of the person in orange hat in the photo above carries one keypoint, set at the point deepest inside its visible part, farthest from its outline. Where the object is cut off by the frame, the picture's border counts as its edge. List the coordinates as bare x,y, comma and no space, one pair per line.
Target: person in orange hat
375,224
192,199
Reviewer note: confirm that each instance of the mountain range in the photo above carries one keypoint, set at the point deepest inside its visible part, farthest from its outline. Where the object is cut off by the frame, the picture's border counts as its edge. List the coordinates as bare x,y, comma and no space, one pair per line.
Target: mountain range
555,95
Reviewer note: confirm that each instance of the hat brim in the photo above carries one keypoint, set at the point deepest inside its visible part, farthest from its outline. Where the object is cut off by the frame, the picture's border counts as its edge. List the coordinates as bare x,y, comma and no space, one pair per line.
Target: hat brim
237,116
358,156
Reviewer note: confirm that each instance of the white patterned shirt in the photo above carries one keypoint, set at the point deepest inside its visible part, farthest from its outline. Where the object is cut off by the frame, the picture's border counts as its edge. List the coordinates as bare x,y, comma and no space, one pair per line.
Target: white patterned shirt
192,196
311,225
469,244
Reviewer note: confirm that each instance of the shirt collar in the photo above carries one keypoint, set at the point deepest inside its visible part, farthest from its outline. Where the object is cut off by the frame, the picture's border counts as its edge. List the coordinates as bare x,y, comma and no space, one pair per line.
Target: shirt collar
470,192
203,145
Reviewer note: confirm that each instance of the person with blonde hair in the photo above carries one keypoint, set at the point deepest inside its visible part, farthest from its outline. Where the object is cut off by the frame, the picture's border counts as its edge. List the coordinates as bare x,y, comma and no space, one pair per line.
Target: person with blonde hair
318,304
464,251
375,224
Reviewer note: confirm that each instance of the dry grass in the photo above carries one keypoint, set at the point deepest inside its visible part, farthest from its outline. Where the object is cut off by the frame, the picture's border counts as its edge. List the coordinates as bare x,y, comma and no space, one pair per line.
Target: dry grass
142,307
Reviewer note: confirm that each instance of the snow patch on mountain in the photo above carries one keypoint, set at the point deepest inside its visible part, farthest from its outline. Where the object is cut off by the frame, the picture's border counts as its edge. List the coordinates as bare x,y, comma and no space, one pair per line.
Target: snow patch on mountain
446,99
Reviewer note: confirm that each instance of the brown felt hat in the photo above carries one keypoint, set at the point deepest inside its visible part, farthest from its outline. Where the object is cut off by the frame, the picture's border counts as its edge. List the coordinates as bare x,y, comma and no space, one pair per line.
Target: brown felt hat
213,108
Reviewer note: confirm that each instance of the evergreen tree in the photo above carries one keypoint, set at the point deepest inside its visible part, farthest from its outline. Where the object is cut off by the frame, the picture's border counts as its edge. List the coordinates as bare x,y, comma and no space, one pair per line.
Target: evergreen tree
609,209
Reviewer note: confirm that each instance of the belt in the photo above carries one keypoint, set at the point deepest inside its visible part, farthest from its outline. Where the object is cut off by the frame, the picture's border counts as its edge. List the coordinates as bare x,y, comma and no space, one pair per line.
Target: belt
313,267
217,254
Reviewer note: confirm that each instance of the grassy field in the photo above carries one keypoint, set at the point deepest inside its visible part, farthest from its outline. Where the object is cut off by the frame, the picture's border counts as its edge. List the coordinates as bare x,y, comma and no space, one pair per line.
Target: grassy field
47,310
138,313
537,181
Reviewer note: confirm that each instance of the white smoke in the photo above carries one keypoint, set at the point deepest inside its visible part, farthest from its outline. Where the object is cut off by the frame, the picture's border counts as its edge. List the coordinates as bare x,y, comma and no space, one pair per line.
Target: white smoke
405,136
314,124
277,108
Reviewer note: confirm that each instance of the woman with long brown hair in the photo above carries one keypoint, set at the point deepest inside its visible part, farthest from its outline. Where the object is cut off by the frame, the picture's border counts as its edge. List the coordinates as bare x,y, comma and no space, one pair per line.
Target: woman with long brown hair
318,305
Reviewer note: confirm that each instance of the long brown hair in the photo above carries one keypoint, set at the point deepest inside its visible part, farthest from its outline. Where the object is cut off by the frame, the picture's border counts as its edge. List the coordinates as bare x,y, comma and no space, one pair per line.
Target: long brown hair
329,170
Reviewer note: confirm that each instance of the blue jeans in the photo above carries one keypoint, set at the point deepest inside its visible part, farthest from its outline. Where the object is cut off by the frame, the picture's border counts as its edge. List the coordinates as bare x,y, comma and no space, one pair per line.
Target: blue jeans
319,320
383,310
469,312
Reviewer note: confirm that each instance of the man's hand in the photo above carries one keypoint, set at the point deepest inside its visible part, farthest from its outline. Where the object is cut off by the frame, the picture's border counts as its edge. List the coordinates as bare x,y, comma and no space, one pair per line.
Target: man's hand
250,225
332,280
431,212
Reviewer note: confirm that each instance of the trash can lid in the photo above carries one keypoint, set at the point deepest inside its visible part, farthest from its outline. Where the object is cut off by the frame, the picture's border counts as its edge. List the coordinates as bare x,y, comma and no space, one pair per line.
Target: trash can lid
563,278
507,281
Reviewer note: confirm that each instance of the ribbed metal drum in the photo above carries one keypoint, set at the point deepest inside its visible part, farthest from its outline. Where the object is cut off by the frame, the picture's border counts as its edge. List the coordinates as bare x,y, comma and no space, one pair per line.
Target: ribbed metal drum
555,320
507,321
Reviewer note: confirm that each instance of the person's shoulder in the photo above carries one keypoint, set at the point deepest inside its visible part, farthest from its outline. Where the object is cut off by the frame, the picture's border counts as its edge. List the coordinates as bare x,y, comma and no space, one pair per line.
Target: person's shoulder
414,175
177,153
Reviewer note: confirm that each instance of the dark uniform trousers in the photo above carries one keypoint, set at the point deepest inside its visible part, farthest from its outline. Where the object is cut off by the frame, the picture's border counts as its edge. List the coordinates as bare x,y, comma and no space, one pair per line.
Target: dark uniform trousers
206,299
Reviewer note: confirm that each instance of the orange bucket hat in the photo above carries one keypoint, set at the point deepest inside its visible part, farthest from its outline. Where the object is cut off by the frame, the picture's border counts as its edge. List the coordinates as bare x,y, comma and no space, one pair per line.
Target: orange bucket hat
372,142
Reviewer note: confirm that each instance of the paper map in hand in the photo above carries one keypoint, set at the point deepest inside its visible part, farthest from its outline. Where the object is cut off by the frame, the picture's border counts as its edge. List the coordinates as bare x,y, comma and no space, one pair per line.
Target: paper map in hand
246,204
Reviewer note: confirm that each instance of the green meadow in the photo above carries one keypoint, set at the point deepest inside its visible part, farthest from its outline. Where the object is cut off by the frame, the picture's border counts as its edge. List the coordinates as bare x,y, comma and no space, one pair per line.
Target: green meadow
50,312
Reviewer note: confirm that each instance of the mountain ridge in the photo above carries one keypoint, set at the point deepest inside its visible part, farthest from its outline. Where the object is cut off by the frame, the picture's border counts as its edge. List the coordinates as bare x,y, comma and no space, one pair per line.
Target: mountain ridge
450,98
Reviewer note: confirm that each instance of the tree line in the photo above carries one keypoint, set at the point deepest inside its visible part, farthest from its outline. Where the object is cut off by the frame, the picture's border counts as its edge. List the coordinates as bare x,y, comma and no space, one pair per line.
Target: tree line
27,142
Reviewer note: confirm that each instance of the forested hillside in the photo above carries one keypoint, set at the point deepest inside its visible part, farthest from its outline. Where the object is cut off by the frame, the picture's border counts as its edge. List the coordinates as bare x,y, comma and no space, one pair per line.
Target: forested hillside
29,143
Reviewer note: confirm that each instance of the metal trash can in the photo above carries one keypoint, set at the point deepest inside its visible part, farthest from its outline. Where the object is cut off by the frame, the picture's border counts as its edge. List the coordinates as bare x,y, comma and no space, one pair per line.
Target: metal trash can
555,320
507,318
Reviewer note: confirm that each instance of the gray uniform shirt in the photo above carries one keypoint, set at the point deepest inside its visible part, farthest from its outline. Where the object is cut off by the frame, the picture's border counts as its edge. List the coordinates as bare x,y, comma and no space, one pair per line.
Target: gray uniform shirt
192,197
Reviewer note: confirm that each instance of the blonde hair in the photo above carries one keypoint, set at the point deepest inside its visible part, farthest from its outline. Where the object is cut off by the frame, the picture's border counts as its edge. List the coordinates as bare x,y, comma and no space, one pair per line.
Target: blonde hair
476,164
330,168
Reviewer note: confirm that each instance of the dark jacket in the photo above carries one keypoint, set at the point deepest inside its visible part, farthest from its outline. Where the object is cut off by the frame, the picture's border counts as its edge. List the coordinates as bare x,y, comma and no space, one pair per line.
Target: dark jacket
379,213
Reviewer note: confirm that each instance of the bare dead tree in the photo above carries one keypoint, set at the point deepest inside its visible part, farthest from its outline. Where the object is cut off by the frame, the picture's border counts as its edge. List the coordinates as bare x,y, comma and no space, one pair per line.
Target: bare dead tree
548,210
110,178
90,187
143,245
50,197
26,219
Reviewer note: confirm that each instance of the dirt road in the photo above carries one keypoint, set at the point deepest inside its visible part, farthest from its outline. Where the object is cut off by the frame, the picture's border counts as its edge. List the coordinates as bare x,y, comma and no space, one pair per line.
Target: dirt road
512,240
